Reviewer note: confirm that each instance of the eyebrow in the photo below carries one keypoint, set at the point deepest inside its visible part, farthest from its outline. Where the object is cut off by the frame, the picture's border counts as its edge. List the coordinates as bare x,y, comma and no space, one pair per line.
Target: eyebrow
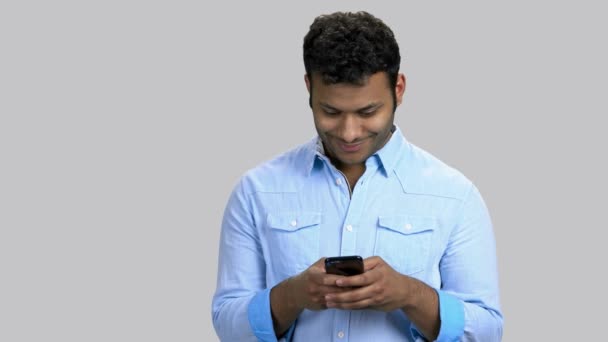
373,105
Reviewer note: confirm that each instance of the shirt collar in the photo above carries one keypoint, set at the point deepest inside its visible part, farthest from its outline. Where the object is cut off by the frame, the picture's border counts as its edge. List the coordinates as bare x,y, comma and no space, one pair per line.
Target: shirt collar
390,154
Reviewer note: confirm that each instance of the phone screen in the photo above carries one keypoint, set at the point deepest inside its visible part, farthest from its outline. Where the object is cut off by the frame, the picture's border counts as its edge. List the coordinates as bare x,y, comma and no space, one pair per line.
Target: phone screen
344,265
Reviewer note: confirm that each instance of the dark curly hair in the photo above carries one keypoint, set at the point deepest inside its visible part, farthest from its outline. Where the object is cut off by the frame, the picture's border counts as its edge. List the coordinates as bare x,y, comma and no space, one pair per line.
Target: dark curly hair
346,47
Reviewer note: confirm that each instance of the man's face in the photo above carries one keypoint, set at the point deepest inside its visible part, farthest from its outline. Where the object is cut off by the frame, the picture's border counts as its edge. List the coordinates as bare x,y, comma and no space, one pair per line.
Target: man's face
354,121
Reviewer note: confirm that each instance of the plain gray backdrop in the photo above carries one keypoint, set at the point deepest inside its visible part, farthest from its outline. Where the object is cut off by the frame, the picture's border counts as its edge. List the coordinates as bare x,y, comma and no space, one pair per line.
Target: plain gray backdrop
124,126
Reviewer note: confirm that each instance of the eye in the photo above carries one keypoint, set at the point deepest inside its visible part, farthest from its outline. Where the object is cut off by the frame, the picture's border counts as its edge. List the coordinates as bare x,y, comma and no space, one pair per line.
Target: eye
330,112
368,112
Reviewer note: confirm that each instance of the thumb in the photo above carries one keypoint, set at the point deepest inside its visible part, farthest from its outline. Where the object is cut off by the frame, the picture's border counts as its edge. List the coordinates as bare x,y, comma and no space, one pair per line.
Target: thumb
371,262
319,264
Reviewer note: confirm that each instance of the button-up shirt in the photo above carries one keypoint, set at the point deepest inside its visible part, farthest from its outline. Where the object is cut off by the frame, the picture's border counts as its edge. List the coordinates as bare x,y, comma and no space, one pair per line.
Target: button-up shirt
424,218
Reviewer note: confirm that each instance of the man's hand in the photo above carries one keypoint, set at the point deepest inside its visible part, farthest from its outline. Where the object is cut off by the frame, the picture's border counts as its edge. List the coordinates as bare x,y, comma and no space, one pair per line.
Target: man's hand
382,288
306,290
309,288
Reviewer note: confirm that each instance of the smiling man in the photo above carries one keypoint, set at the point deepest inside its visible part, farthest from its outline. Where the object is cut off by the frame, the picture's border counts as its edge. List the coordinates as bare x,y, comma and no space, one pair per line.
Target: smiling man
358,188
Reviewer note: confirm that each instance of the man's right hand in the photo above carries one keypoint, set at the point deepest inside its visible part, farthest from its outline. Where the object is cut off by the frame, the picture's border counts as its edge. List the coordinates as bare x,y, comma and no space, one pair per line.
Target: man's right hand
310,287
306,290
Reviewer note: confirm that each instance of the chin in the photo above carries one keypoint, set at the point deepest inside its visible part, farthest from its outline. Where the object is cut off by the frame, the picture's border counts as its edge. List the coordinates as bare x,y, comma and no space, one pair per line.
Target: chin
354,160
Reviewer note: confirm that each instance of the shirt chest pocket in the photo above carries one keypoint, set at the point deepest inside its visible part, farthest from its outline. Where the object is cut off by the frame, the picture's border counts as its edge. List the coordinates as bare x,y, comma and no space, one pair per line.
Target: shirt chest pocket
293,241
405,241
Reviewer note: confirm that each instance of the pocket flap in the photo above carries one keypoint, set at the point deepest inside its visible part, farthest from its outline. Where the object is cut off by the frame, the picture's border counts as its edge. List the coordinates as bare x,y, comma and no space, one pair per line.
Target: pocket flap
408,224
292,221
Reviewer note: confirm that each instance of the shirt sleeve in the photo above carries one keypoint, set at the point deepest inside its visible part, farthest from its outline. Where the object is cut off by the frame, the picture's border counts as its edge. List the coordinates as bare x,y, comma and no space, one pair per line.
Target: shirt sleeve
469,295
260,319
451,314
241,304
469,307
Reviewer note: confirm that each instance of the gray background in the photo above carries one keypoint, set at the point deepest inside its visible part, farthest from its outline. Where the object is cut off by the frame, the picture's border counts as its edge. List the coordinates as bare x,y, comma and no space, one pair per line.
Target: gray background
125,124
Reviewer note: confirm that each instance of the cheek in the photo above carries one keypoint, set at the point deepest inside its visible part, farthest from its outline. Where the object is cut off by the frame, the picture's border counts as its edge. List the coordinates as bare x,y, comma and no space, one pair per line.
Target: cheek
379,125
324,124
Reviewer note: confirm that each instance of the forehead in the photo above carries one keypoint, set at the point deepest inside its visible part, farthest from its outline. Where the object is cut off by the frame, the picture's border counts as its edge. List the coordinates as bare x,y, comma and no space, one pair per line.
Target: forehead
375,88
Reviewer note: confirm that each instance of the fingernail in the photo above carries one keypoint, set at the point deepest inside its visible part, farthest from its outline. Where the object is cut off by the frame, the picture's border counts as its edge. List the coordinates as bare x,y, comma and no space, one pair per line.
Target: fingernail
330,305
339,282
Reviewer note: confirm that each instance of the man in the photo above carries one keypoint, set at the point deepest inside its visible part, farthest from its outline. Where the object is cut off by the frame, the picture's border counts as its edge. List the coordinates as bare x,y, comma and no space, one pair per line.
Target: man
359,188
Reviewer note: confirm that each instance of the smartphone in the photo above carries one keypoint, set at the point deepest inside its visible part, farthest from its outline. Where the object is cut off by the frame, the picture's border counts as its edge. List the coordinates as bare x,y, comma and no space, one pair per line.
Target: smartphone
344,265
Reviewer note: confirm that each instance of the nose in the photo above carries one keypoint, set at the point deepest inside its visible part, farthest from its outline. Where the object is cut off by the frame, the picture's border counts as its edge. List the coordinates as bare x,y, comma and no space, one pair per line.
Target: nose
349,128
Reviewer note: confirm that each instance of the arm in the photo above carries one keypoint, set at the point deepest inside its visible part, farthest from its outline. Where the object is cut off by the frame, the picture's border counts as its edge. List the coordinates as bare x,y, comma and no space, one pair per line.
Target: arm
244,309
241,284
307,290
283,306
469,273
466,307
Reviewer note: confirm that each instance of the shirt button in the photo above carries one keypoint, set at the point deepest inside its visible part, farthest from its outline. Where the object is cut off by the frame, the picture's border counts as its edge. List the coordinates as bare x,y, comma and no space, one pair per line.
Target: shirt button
294,223
408,226
341,334
349,228
338,181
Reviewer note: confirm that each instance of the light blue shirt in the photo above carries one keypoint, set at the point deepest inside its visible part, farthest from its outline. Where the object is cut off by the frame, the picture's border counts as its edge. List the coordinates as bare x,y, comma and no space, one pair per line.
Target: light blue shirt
421,216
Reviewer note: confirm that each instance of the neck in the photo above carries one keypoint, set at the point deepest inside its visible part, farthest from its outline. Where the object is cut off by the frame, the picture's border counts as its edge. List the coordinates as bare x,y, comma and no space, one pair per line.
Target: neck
352,172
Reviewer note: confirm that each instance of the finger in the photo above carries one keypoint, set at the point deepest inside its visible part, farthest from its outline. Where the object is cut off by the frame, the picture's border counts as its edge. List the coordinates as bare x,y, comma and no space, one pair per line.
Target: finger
362,304
317,269
319,264
363,279
351,296
317,294
371,262
323,290
332,290
324,278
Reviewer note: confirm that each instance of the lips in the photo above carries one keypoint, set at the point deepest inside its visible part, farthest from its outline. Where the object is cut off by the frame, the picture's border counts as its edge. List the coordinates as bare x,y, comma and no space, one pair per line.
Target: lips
350,148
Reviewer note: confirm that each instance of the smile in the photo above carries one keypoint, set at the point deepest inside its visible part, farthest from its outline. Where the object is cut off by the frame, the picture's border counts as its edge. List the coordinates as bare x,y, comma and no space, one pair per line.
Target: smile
350,147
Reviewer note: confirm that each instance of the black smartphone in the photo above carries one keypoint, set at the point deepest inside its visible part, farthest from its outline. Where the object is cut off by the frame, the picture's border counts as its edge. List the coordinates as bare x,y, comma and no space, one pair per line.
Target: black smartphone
344,265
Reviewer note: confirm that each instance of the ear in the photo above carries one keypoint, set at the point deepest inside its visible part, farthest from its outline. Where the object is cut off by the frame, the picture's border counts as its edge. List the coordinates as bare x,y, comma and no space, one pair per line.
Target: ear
400,88
308,87
307,81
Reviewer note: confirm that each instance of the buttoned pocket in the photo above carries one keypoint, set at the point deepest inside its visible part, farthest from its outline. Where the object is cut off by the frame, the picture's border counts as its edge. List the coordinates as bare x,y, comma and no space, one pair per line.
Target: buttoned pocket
294,241
405,241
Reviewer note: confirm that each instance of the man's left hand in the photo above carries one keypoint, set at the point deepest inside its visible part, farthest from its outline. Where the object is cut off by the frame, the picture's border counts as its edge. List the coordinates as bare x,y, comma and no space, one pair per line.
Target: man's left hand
380,287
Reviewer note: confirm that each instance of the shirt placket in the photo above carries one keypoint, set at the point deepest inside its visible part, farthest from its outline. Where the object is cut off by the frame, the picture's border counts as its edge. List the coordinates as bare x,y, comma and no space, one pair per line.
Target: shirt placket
341,326
349,241
356,207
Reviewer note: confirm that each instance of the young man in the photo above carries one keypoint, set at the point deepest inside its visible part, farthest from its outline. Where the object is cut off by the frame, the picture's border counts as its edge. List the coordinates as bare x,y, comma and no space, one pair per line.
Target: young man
359,188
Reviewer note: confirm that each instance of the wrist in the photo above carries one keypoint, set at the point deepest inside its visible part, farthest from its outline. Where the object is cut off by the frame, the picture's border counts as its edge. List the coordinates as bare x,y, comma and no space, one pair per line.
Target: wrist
412,290
291,295
282,307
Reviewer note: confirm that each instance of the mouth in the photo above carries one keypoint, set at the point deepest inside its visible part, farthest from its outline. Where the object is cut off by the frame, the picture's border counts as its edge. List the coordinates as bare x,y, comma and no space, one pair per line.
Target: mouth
350,148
